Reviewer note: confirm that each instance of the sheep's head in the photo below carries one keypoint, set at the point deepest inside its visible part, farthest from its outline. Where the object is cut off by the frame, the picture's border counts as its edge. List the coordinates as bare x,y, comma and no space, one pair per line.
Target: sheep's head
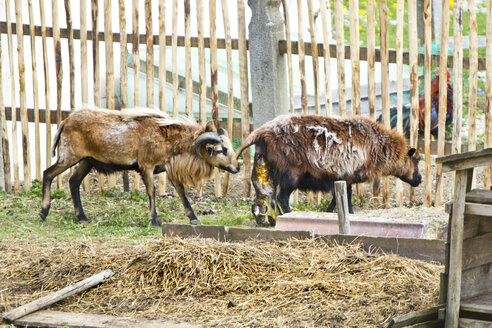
216,149
410,169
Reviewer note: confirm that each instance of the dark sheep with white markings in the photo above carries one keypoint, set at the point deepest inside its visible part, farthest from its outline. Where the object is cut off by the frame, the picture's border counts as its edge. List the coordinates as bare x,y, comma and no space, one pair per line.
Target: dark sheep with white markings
310,152
143,140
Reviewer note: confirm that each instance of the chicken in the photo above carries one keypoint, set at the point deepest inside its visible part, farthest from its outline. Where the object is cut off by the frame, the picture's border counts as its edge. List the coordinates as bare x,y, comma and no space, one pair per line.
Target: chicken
434,109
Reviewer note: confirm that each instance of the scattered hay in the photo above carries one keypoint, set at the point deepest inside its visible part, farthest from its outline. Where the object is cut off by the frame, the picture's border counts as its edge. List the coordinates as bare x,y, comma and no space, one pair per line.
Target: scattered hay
299,283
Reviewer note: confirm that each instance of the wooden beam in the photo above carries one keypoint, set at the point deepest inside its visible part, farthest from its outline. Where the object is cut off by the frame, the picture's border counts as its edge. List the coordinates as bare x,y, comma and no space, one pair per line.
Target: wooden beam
57,296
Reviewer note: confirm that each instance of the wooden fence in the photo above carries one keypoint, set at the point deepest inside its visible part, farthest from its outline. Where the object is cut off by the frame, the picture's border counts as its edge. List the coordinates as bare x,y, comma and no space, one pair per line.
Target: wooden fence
91,76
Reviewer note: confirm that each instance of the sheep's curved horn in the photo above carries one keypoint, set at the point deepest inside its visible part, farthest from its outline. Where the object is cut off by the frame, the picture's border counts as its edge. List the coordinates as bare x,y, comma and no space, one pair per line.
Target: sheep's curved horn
223,132
207,137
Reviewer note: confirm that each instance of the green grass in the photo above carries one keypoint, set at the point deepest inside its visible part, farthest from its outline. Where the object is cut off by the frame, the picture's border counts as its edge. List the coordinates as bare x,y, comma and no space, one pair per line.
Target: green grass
113,215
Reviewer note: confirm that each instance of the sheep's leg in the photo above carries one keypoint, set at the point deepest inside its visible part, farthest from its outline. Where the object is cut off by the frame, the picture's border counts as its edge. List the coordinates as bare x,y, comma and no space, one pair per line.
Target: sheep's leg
189,211
333,203
48,175
82,170
283,197
147,176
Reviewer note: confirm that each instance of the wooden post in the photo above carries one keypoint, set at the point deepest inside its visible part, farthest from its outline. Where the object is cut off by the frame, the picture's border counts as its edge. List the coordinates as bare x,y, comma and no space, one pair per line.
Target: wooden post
59,71
339,30
46,85
5,136
285,8
427,87
458,80
443,98
414,88
354,56
473,79
230,84
302,68
22,97
202,84
326,55
123,74
214,84
136,73
371,57
455,251
342,207
57,296
243,77
314,56
188,76
108,42
289,55
149,56
399,86
83,68
383,23
68,15
15,155
487,172
162,78
37,145
175,58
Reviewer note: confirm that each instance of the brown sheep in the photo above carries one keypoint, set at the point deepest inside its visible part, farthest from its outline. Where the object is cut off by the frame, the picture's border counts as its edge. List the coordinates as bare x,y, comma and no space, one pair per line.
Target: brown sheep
310,152
146,141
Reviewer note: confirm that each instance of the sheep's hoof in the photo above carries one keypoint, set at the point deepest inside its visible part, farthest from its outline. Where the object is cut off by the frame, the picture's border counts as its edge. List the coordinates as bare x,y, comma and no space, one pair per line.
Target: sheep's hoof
83,220
194,222
42,216
156,222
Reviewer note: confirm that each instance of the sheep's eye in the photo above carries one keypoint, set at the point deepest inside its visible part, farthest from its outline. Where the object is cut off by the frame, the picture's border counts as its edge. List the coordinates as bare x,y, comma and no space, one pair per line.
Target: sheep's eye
224,150
218,151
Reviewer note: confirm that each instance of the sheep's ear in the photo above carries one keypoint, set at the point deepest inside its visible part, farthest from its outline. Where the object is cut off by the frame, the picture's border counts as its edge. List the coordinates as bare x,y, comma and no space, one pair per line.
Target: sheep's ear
411,151
210,127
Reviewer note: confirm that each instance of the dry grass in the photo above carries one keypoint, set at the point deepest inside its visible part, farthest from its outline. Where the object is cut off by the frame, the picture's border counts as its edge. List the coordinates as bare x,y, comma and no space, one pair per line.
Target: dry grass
252,284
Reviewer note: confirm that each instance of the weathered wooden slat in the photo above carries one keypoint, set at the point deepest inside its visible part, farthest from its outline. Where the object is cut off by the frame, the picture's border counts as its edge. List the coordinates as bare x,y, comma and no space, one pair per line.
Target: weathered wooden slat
57,296
399,86
476,282
487,172
477,251
481,304
302,68
471,323
83,67
427,85
37,142
326,55
415,317
312,32
48,318
465,160
174,59
354,56
136,39
202,84
15,155
46,83
5,137
189,79
478,209
161,187
479,196
149,56
340,55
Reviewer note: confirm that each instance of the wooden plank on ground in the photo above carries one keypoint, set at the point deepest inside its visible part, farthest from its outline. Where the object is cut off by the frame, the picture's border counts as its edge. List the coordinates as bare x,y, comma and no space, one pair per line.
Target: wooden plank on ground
57,296
415,317
85,320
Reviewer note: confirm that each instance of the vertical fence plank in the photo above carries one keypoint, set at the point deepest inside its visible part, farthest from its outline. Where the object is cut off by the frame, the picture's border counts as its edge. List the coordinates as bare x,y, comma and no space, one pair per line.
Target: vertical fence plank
123,72
58,70
427,87
354,55
162,78
243,77
214,83
95,61
15,155
149,56
136,73
108,42
68,15
383,24
5,136
339,26
175,58
22,97
83,68
188,76
487,174
202,83
46,85
37,145
414,87
314,56
289,55
458,81
326,54
473,79
371,57
302,68
230,84
399,86
442,99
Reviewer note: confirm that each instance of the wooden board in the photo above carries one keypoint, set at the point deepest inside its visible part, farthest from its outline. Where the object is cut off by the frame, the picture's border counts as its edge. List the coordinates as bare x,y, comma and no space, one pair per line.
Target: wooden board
415,317
470,323
475,281
480,304
83,320
478,209
465,160
477,251
479,196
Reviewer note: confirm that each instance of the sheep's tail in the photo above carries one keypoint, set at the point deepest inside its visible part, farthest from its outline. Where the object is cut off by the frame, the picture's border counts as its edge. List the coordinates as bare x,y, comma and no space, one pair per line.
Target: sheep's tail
250,140
57,138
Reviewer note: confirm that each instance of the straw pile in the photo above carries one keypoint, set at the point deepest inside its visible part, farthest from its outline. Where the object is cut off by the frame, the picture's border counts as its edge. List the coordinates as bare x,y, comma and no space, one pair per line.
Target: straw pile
286,284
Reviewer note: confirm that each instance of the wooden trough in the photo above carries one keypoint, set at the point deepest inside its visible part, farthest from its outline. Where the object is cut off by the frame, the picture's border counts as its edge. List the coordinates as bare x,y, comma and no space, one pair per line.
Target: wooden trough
466,284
